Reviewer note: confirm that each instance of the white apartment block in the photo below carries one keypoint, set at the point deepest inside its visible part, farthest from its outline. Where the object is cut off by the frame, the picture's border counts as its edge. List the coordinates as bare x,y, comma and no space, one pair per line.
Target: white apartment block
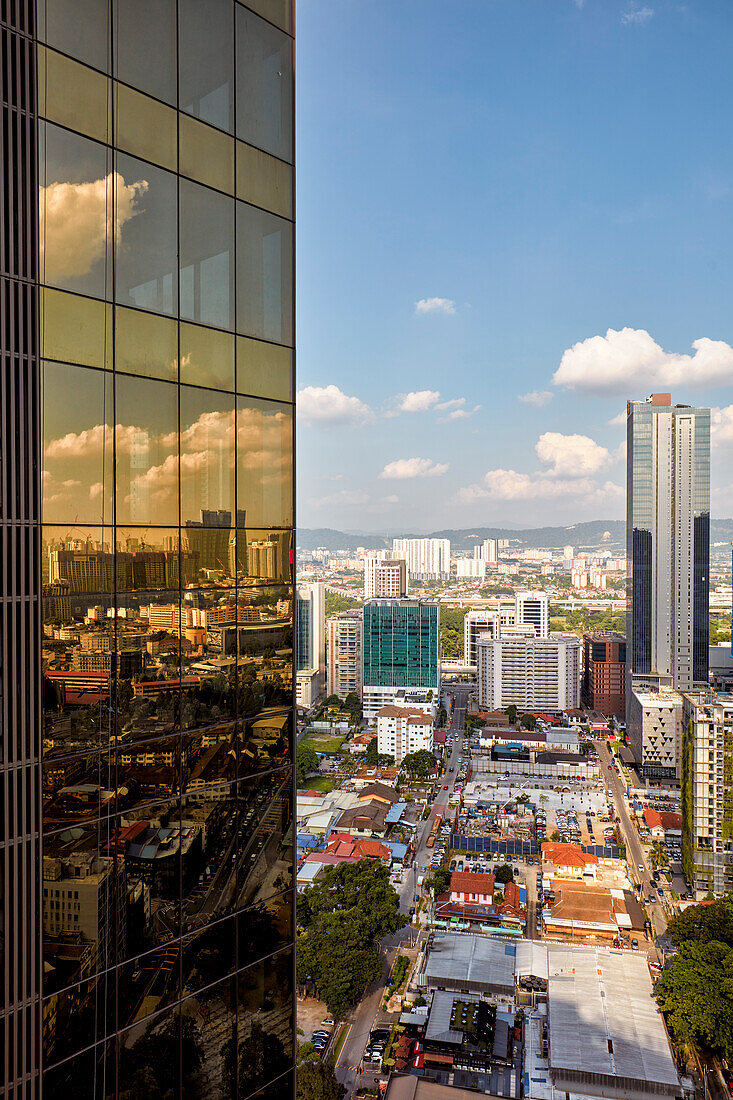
385,575
707,817
401,732
344,635
427,559
487,551
532,673
470,569
654,723
522,609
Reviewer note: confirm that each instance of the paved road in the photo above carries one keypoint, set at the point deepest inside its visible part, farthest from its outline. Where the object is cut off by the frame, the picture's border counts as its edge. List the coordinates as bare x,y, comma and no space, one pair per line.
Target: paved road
362,1018
635,853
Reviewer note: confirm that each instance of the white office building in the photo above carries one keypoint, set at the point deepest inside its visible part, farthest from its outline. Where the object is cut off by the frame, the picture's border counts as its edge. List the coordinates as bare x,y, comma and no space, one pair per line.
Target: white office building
402,731
385,575
470,569
707,816
427,559
538,674
654,724
344,635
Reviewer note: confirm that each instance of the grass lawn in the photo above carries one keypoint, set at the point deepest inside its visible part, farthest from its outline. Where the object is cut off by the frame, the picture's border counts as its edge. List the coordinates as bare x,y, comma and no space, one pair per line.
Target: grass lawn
322,783
326,744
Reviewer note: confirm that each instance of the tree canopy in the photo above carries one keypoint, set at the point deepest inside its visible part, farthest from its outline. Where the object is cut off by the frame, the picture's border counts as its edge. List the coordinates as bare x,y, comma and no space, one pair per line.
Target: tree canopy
306,760
317,1081
344,915
511,712
374,757
704,923
504,874
696,995
420,764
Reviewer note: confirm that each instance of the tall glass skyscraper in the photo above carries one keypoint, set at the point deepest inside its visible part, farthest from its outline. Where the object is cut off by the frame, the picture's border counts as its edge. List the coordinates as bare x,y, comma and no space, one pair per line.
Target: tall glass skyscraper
668,544
401,650
146,516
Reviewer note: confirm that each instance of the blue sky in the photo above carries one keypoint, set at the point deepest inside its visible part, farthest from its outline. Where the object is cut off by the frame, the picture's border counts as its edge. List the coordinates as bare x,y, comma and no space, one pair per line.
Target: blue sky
485,188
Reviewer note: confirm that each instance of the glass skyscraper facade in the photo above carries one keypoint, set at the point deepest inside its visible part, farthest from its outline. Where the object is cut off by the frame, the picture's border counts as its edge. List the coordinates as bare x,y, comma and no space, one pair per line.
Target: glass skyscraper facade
146,508
402,643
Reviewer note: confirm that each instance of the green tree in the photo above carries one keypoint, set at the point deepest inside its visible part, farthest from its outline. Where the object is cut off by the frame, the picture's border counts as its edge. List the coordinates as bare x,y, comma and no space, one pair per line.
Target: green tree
335,603
439,881
696,995
555,836
704,923
504,874
317,1081
372,753
306,760
511,713
529,722
420,764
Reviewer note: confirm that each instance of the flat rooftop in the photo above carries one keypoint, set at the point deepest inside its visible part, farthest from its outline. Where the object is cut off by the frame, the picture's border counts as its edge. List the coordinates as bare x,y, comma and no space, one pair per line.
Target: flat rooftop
476,964
604,1021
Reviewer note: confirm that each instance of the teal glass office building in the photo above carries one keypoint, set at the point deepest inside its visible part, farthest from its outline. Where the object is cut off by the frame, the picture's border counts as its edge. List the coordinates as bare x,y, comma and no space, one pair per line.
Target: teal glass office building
401,647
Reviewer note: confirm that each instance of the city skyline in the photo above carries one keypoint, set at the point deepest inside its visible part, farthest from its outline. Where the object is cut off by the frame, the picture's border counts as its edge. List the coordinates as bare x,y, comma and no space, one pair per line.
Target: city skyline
528,284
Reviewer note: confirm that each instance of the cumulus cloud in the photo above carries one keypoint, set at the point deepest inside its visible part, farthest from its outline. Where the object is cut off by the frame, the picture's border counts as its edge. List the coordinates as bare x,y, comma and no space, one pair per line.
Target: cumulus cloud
417,401
618,421
403,468
721,426
570,456
510,485
538,398
636,17
461,414
328,405
435,305
76,221
630,359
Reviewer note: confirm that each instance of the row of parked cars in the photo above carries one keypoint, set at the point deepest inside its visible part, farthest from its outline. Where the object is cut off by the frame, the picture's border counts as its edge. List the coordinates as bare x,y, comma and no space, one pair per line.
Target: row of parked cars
376,1046
321,1037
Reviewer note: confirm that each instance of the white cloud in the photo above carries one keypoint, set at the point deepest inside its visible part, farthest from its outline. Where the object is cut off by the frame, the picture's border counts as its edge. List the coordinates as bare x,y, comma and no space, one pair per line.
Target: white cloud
570,456
539,398
509,485
329,405
454,403
618,421
461,414
403,468
721,426
630,360
435,305
417,401
76,221
636,17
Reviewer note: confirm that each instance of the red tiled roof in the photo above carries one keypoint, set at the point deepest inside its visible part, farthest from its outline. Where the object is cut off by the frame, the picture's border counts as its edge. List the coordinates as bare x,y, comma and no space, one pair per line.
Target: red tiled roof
470,882
566,855
653,818
671,820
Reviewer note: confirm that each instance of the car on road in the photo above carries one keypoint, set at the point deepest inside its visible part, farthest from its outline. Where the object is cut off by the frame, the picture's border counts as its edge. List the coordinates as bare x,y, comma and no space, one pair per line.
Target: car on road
634,945
660,891
380,1033
641,867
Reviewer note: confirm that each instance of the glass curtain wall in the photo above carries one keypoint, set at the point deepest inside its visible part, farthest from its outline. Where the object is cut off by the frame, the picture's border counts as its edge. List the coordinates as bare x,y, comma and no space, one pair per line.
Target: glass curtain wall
166,253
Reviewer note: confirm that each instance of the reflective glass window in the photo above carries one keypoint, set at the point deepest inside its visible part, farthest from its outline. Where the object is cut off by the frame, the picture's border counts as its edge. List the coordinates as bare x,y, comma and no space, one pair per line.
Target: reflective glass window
264,1021
279,12
206,61
265,739
207,155
263,557
75,212
264,85
264,275
80,28
207,357
95,1066
84,558
148,688
207,453
147,451
145,46
264,370
206,255
146,344
75,329
264,927
209,955
145,127
264,462
156,1053
265,814
147,243
73,95
264,180
76,478
155,971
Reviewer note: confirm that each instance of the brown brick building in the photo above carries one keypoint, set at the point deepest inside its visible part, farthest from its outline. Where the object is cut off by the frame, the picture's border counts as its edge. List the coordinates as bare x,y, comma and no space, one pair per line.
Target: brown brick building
604,672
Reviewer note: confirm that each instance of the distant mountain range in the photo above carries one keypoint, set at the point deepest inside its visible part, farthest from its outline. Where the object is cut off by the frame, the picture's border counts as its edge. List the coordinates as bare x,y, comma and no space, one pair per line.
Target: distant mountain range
596,533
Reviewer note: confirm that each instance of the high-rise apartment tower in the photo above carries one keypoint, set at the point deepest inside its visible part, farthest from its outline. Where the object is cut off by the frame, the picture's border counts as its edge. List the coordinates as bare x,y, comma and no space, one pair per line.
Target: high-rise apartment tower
146,409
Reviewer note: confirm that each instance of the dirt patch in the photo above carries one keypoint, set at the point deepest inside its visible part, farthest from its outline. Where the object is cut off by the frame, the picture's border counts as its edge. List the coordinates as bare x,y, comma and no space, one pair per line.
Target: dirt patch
311,1012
